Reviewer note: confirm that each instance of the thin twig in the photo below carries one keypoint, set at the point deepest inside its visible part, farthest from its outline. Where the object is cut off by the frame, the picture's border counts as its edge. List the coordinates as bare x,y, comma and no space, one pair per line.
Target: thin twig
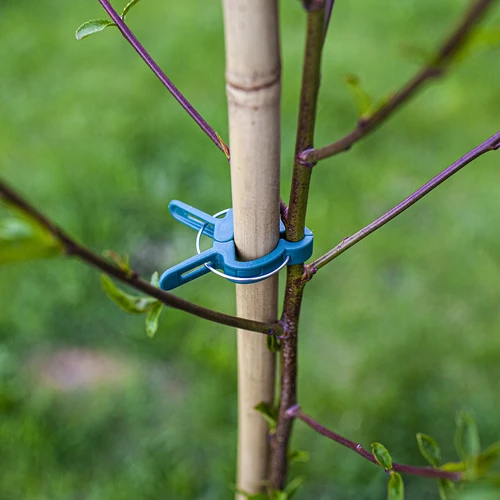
130,278
146,57
296,412
328,14
435,68
491,144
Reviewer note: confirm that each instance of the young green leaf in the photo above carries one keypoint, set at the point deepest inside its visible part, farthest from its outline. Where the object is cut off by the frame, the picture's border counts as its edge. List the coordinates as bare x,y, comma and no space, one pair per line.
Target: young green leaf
445,488
128,7
270,414
298,456
90,27
152,319
395,488
364,102
382,456
132,304
278,495
250,496
24,239
429,449
453,467
292,487
155,280
467,438
488,458
273,344
122,262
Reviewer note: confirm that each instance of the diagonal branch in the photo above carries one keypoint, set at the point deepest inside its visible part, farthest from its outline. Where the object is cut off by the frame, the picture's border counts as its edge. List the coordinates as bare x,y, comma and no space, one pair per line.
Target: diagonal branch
146,57
434,69
296,412
130,278
491,144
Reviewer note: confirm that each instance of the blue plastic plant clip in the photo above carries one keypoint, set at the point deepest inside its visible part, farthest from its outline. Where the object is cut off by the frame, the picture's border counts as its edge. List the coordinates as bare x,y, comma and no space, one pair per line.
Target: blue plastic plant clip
221,258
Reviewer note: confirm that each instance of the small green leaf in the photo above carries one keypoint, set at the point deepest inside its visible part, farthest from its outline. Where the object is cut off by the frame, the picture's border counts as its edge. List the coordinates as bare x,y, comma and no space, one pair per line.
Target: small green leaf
273,344
364,102
429,449
155,280
250,496
480,40
278,495
453,467
90,27
292,487
152,319
122,262
395,488
445,488
488,458
24,239
132,304
270,414
298,456
467,438
382,456
128,7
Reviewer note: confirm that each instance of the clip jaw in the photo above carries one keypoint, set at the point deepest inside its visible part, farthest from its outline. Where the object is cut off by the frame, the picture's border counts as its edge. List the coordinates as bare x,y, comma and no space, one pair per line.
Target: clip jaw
222,255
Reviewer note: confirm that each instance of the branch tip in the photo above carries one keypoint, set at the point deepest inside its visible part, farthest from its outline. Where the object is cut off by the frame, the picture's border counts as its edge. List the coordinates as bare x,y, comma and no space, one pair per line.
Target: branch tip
293,411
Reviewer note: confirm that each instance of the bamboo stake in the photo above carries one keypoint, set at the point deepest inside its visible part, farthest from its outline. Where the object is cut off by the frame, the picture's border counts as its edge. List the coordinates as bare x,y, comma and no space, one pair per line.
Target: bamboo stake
253,73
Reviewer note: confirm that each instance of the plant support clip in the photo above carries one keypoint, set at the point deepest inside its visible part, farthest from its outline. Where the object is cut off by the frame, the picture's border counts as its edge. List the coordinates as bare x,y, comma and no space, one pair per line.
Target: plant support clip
221,257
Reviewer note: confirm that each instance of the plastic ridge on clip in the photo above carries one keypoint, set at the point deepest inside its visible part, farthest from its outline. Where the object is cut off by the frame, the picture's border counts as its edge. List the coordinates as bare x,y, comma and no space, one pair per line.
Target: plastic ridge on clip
222,255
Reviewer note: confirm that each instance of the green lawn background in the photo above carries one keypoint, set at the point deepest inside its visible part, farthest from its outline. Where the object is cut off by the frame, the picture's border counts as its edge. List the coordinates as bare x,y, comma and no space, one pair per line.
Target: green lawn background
396,336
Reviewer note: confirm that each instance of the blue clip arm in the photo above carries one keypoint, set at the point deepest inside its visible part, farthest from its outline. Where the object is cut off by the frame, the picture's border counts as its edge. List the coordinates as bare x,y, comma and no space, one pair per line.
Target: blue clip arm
188,270
192,217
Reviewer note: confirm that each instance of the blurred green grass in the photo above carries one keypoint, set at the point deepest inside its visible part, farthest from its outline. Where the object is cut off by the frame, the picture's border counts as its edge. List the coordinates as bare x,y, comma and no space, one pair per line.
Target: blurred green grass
397,335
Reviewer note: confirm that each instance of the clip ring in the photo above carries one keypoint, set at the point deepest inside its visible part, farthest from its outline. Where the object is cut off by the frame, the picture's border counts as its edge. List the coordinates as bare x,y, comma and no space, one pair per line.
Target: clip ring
235,278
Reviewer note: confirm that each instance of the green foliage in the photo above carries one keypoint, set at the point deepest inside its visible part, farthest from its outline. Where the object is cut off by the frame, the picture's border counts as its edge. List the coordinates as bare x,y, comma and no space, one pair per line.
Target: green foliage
122,262
24,238
293,486
395,488
488,459
382,456
132,304
273,344
364,101
467,441
429,449
128,7
152,318
270,414
445,489
298,456
135,304
91,27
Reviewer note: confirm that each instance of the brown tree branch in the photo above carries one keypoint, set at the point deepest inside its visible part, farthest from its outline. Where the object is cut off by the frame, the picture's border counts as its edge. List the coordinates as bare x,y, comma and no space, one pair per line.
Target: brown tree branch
295,222
130,278
435,68
491,144
296,412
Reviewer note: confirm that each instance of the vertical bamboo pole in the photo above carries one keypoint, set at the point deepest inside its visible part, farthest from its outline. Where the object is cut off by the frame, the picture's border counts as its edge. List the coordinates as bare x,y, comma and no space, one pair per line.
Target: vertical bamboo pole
253,78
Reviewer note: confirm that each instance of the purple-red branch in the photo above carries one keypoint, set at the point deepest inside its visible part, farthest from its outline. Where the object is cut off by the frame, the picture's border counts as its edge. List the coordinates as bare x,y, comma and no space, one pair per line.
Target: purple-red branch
72,248
296,412
491,144
131,38
434,69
